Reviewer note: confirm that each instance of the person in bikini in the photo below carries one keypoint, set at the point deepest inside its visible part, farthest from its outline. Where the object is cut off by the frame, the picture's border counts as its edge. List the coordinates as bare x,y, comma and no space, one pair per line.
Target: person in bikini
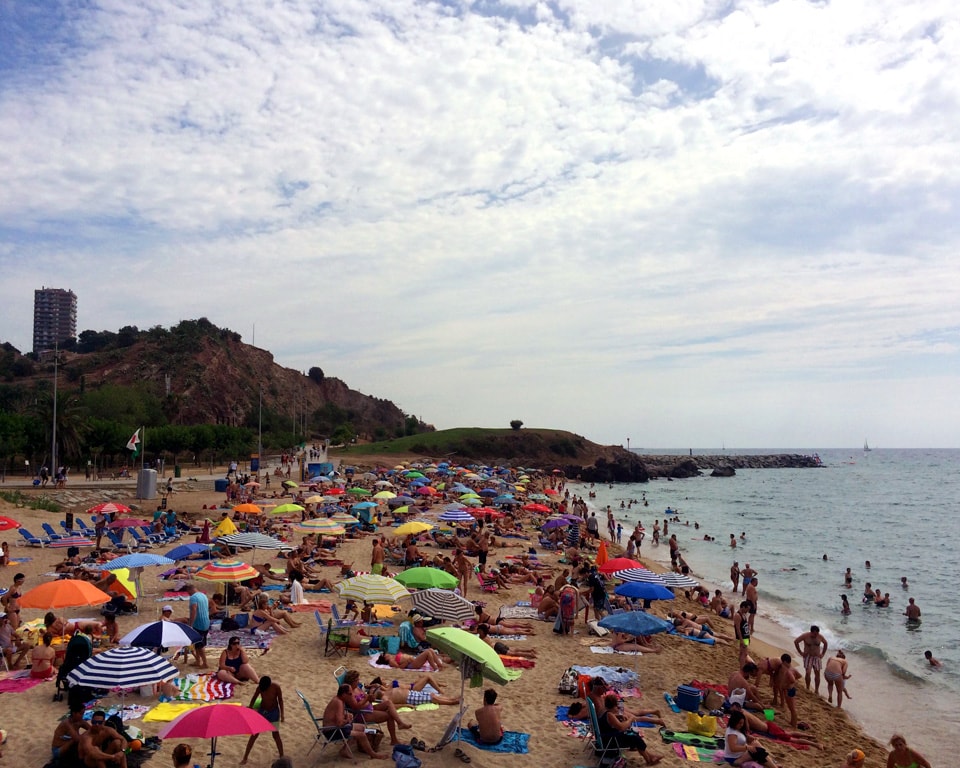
483,630
408,661
835,673
339,725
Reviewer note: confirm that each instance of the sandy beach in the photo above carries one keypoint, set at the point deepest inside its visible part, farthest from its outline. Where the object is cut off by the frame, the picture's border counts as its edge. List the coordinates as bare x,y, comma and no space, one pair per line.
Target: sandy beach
296,661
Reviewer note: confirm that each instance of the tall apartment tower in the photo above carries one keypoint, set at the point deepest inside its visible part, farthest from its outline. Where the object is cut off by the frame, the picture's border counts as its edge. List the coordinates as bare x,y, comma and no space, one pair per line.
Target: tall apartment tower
54,317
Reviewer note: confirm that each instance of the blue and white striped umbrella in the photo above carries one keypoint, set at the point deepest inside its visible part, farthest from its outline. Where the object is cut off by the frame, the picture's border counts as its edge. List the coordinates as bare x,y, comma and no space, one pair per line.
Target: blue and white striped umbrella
679,581
161,634
137,560
459,515
128,667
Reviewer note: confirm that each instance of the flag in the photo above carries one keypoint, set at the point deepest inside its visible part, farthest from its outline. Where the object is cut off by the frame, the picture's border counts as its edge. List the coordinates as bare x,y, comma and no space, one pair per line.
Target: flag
133,444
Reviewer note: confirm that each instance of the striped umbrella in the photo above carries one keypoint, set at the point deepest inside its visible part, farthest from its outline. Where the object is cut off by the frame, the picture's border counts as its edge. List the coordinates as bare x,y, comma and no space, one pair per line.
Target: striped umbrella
372,588
109,508
254,541
123,668
459,515
344,518
227,570
321,527
642,575
161,634
679,581
443,604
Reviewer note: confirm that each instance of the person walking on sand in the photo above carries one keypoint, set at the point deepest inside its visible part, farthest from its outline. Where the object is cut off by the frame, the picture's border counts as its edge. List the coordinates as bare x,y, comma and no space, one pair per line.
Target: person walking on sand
835,673
813,650
741,629
199,619
271,707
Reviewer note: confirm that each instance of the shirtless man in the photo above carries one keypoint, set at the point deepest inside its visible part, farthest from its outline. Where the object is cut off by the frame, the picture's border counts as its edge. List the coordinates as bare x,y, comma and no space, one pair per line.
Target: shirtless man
753,597
835,673
935,663
735,576
785,685
741,679
101,745
376,558
339,725
813,650
488,728
66,736
913,612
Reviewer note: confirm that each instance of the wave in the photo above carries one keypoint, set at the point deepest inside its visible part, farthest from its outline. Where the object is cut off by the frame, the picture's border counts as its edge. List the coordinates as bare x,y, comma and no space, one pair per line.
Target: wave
878,654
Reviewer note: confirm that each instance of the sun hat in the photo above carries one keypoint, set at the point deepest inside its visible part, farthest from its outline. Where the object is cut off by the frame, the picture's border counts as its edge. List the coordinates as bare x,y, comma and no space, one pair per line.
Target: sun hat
167,608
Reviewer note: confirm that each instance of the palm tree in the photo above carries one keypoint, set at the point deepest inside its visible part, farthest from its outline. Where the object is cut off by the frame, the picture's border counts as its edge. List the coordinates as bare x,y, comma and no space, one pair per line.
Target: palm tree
71,422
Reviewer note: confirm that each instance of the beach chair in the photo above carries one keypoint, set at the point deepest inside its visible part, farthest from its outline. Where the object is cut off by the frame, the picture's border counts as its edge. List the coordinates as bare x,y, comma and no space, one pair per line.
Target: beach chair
141,542
117,542
486,586
51,534
338,620
606,751
337,641
324,734
33,541
69,532
85,529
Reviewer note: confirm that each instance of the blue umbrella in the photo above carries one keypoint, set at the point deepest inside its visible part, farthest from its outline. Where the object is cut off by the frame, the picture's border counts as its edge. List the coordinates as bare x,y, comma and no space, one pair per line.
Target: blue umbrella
635,623
488,492
365,505
138,560
644,591
185,550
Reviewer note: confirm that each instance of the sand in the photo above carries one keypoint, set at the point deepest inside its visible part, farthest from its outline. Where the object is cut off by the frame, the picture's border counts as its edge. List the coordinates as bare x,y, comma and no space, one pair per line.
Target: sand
296,662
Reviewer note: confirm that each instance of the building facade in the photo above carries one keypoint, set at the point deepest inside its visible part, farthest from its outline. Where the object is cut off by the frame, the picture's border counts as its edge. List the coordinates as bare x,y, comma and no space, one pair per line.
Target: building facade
54,317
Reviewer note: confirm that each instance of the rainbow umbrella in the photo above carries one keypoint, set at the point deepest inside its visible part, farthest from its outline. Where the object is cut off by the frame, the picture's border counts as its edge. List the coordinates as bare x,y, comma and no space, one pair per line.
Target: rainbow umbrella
321,527
372,588
227,571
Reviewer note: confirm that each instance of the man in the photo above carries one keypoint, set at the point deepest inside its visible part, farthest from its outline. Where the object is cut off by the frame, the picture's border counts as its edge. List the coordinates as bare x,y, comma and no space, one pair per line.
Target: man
101,745
741,629
813,650
785,686
10,643
488,728
740,679
338,724
674,549
66,736
593,526
597,589
483,631
376,558
928,655
747,574
913,612
752,597
199,619
835,673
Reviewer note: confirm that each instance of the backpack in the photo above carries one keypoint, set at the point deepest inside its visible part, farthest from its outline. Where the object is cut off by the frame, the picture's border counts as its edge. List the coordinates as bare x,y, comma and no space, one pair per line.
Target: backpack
403,757
568,682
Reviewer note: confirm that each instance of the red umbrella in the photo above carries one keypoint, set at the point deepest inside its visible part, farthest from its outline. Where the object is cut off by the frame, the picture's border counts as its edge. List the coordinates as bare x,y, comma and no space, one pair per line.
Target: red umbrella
533,507
8,524
215,720
335,491
109,508
486,512
619,564
128,522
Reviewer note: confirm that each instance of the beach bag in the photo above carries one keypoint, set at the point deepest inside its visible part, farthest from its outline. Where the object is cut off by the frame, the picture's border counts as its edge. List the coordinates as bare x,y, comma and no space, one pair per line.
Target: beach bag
568,682
702,726
759,755
712,700
737,696
403,757
229,625
392,643
241,619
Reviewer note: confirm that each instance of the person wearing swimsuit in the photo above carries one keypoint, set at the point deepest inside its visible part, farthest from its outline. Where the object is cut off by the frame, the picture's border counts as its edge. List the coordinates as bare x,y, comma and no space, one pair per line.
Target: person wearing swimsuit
234,666
902,756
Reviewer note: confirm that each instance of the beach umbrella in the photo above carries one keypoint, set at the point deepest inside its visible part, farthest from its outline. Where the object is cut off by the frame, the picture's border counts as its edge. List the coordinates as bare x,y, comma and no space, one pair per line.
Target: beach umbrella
372,588
427,490
487,512
365,505
215,720
286,509
335,491
469,495
186,550
471,502
551,524
635,623
161,634
64,593
413,527
289,484
425,577
313,500
640,574
602,555
383,484
619,564
643,590
342,517
358,491
538,497
227,571
321,527
254,541
458,515
128,522
505,501
679,580
137,560
248,509
122,669
487,492
443,604
109,508
8,524
535,507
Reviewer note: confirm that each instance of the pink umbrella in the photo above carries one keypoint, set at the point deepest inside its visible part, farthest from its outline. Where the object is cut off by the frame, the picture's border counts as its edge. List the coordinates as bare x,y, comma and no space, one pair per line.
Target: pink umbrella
128,522
215,720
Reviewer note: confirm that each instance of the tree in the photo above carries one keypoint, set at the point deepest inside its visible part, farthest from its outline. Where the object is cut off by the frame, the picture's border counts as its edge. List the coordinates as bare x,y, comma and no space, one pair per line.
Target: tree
316,374
515,425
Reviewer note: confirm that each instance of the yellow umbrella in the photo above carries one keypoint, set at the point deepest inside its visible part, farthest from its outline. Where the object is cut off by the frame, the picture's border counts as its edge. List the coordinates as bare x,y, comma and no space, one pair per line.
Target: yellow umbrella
314,500
414,527
385,495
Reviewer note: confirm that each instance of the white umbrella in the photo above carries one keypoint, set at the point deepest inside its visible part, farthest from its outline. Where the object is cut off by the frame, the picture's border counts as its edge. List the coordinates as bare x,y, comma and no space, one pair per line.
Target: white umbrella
443,604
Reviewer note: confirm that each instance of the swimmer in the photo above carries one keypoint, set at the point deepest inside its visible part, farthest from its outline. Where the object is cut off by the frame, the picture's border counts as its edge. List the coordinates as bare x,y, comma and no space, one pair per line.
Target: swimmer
913,612
935,663
844,605
903,582
866,564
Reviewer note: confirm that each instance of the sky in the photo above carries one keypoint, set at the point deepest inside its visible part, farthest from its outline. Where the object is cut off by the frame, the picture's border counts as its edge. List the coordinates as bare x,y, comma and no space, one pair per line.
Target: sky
689,224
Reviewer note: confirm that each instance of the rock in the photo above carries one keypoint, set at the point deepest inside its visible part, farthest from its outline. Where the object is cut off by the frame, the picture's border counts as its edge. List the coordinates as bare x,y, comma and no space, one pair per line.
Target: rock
724,471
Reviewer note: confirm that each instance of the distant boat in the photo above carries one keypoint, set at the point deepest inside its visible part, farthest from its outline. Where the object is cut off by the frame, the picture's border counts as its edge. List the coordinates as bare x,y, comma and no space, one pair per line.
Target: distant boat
866,447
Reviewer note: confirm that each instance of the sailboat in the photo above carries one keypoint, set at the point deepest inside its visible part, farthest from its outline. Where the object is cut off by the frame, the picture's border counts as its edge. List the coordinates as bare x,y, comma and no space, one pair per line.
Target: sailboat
866,446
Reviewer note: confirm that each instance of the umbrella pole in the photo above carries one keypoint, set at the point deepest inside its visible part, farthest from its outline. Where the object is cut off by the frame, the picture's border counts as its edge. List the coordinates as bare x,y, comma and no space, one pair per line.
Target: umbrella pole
213,750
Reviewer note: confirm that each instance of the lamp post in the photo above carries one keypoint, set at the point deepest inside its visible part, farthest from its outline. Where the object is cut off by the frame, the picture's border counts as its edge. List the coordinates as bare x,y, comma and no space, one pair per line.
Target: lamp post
53,442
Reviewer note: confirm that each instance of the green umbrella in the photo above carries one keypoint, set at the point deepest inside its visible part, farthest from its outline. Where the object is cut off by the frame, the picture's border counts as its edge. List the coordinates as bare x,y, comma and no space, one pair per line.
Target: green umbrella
459,645
359,491
424,578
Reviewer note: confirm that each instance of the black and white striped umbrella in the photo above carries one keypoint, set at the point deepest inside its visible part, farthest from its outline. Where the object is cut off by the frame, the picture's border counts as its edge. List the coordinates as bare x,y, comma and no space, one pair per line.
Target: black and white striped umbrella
127,667
640,575
679,581
161,634
253,540
443,604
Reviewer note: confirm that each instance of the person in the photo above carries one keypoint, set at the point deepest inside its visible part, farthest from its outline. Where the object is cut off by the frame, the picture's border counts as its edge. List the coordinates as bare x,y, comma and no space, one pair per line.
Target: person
912,612
855,759
848,578
100,744
182,756
483,631
741,629
234,666
761,725
844,605
617,728
367,709
814,649
10,643
42,658
66,736
738,747
199,619
785,686
835,673
903,582
735,575
376,557
271,707
747,574
488,728
626,643
902,756
265,619
741,679
752,597
110,629
408,661
339,725
502,626
928,655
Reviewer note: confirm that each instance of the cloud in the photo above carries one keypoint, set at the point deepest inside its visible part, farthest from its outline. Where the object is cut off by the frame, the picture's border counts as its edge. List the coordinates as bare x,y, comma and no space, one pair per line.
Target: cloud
610,217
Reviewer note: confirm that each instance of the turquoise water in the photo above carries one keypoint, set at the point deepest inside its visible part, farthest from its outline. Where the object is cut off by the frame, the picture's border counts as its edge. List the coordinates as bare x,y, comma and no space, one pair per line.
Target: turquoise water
895,508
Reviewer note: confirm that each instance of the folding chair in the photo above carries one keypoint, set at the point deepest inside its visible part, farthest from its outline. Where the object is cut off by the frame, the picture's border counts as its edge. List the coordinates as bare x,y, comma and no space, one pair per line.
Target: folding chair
606,751
486,586
339,621
337,641
324,733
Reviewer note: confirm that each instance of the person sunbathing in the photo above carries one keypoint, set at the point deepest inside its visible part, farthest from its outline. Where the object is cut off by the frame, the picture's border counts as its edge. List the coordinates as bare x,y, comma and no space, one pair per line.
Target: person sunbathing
699,631
502,626
426,690
483,630
629,643
762,725
408,661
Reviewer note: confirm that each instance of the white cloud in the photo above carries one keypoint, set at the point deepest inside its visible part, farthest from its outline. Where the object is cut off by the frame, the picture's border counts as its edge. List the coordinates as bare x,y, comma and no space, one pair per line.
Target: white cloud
689,217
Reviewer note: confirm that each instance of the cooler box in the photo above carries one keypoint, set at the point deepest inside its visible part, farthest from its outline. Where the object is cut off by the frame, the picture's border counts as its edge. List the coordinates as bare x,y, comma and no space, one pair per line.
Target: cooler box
688,698
220,486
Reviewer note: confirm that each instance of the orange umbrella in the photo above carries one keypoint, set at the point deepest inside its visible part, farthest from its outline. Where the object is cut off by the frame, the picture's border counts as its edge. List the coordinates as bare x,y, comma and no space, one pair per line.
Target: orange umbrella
64,593
248,509
602,555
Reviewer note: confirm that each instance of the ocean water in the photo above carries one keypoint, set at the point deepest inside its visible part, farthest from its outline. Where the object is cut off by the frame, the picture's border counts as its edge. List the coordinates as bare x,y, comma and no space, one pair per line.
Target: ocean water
896,508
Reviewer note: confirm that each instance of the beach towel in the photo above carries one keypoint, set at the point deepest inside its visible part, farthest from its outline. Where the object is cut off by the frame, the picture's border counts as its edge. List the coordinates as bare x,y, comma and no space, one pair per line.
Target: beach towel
168,710
373,663
517,662
509,637
518,612
309,607
200,688
697,754
512,742
173,596
608,649
19,684
616,677
220,639
419,708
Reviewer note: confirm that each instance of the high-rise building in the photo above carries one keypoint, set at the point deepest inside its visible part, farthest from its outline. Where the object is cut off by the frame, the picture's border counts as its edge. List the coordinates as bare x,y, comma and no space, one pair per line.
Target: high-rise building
54,317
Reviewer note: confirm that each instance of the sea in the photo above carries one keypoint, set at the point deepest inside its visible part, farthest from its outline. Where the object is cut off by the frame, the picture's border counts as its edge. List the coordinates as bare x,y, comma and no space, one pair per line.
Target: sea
897,509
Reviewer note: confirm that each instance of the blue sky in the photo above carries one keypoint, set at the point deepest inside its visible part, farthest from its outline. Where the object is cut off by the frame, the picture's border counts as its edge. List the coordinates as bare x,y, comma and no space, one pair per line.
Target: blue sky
686,223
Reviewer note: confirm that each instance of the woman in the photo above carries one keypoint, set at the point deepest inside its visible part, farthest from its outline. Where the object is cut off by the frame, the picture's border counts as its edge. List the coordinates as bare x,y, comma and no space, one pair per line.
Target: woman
234,666
628,643
502,626
835,673
549,607
738,748
408,661
903,756
614,727
264,618
42,658
368,710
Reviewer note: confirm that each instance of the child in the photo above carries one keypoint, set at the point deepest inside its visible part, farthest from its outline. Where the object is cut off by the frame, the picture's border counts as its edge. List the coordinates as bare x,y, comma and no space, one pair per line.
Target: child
785,682
271,707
